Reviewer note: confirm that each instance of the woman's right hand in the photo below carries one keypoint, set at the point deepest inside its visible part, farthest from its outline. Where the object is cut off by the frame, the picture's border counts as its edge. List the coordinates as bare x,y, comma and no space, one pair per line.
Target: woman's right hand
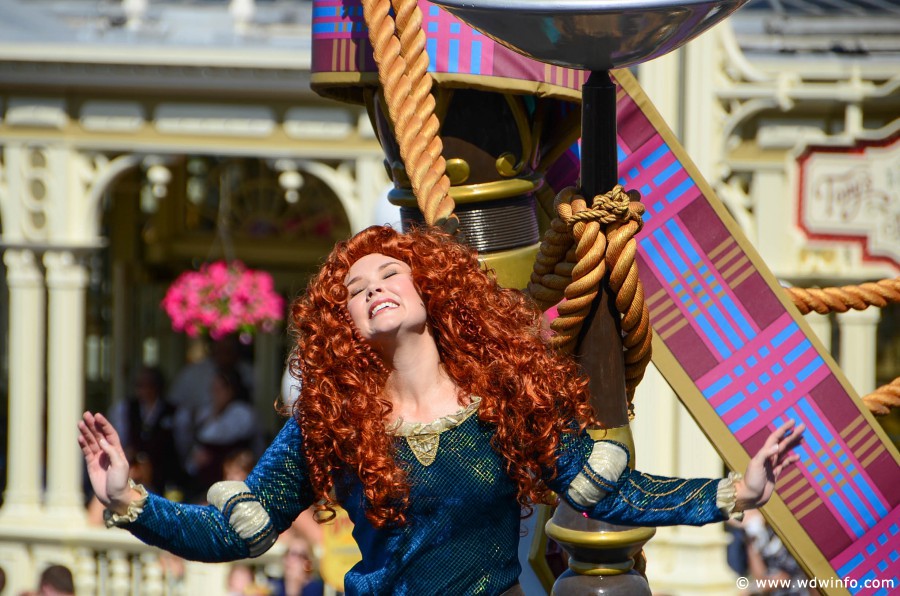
107,465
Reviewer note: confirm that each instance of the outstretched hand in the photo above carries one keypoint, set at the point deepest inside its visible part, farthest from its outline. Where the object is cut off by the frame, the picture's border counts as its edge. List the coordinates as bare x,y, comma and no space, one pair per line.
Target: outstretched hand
107,464
774,456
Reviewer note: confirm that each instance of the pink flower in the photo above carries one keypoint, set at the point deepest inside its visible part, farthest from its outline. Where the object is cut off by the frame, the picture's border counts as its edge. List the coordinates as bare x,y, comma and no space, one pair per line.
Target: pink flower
223,298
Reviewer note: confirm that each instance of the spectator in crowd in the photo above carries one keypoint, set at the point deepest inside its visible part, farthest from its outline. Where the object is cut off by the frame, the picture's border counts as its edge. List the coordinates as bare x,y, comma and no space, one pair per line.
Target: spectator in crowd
242,582
147,423
191,390
55,580
226,424
768,559
299,577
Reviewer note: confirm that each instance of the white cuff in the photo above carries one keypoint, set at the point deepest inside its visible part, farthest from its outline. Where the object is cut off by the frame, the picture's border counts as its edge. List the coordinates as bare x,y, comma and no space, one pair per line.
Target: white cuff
244,513
605,464
135,508
726,496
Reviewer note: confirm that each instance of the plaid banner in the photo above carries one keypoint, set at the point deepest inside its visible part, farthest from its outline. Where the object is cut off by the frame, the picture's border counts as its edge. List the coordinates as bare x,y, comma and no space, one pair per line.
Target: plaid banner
744,362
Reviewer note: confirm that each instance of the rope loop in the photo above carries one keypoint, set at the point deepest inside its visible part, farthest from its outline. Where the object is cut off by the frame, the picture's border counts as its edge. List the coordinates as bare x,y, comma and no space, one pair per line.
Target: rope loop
612,207
582,244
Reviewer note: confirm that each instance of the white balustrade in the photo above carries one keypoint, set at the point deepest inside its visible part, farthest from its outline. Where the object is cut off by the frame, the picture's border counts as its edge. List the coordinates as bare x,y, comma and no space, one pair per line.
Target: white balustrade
111,563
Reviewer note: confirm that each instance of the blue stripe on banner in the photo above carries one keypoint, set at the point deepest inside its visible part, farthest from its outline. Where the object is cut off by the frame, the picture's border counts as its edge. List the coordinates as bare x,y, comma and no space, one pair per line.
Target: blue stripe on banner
738,316
431,48
682,240
710,331
666,244
475,66
784,334
620,153
667,173
725,325
810,368
660,152
798,351
325,27
453,56
717,386
661,265
730,404
743,421
679,190
325,11
851,565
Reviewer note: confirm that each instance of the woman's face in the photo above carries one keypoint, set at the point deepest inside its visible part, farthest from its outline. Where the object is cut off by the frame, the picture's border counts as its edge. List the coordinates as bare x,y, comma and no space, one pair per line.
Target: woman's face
384,302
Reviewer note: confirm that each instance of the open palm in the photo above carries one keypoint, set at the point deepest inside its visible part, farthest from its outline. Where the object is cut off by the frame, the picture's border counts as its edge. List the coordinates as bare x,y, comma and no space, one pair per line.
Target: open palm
766,466
106,463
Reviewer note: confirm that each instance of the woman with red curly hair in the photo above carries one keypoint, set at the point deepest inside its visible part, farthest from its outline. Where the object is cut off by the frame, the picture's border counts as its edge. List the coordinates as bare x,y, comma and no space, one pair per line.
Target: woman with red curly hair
433,412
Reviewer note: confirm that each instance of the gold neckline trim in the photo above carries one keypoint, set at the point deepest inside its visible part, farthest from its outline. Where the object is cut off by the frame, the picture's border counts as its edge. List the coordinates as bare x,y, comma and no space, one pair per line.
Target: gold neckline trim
444,423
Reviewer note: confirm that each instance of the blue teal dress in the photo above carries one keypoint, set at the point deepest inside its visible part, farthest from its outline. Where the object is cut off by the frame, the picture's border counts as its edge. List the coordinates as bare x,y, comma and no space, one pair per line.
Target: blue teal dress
463,520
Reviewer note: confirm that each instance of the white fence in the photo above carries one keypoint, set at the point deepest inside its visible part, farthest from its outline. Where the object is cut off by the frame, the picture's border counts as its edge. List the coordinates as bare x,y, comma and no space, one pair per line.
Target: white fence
111,562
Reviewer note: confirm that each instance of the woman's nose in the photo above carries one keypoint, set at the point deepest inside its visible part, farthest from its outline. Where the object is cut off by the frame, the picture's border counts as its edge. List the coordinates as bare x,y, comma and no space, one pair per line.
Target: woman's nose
373,290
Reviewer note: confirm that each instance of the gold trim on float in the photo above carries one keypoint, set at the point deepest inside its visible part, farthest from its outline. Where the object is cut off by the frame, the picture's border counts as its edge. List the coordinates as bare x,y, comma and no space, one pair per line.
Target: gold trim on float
583,568
620,434
473,193
607,540
512,267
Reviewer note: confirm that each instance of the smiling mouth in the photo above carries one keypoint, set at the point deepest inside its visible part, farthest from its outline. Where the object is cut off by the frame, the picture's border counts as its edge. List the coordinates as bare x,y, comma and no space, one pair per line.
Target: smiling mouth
382,306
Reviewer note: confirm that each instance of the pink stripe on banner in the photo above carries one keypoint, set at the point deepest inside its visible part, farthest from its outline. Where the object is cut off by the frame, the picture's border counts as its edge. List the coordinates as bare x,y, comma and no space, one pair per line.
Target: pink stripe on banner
801,390
776,355
754,398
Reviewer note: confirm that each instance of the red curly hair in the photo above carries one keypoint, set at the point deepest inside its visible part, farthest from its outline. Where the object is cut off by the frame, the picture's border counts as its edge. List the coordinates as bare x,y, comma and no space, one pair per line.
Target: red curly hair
489,341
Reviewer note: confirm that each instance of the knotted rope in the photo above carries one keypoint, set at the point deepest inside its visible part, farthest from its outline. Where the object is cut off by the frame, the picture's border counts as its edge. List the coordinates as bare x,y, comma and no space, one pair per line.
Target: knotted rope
399,50
580,246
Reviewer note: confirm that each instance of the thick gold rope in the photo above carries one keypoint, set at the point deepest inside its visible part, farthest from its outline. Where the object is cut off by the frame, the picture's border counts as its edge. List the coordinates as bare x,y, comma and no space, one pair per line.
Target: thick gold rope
884,398
828,300
581,244
399,51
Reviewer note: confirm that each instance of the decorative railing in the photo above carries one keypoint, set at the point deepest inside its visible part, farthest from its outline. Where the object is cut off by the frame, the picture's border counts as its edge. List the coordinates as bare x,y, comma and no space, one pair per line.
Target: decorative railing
112,563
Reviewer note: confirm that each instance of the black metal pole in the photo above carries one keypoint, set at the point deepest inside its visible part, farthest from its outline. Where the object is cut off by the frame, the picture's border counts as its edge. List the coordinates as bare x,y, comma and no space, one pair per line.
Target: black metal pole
599,159
599,346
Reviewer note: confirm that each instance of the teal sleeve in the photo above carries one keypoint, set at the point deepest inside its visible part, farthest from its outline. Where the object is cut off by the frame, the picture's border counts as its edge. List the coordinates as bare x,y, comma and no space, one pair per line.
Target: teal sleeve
276,491
630,497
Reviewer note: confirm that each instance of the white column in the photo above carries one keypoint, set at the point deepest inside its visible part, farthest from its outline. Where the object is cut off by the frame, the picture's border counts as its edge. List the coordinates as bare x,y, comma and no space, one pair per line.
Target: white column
26,386
821,326
66,282
858,337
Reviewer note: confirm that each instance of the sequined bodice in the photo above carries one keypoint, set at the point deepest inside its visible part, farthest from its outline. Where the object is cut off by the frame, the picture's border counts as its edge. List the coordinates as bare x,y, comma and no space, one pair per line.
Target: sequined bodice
463,521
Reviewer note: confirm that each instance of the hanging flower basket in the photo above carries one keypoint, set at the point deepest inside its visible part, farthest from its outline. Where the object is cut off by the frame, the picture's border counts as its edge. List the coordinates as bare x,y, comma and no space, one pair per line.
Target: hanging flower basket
223,298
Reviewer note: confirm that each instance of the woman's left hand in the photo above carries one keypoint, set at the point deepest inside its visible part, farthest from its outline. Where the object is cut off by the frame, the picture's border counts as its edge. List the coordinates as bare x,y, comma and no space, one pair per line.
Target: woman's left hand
763,470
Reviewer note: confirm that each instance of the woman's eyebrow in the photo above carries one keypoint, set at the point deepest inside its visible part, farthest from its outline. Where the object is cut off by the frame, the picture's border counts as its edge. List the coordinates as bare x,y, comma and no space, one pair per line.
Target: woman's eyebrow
350,282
